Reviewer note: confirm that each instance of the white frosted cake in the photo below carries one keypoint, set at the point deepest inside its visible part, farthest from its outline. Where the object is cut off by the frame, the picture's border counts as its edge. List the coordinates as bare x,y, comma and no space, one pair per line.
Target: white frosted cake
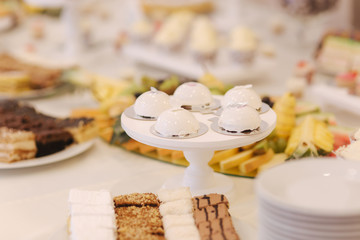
176,122
193,94
244,94
152,103
239,118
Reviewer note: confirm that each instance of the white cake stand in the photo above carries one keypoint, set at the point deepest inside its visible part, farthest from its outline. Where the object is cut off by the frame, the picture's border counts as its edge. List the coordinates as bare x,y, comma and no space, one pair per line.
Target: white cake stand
198,151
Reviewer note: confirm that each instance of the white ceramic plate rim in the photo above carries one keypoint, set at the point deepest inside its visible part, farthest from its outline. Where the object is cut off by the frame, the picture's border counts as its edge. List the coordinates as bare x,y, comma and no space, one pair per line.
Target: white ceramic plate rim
67,153
244,230
285,205
301,218
305,232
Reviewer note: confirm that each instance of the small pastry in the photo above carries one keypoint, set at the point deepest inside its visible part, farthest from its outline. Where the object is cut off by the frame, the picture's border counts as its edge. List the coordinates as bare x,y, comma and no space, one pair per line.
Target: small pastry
176,122
173,32
151,104
203,39
244,94
243,44
237,118
193,94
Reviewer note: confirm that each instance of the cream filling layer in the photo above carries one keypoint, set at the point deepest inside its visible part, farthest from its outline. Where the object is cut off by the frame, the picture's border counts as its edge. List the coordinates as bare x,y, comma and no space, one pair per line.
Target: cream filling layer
24,145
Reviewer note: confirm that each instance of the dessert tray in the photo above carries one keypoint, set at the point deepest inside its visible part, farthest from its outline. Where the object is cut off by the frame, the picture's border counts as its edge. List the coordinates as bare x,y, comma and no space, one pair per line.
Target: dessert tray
183,63
67,153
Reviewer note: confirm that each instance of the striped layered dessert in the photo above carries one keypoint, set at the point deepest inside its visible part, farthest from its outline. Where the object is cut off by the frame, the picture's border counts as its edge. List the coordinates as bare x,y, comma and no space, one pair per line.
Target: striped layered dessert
16,145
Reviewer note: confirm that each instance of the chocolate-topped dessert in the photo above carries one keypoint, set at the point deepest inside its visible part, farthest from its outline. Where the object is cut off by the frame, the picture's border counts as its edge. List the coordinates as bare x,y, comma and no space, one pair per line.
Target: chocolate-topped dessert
212,217
51,134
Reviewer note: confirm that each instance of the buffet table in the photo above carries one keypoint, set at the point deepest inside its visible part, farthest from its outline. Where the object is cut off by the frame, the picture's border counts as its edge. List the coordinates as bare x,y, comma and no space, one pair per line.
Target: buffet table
33,202
35,199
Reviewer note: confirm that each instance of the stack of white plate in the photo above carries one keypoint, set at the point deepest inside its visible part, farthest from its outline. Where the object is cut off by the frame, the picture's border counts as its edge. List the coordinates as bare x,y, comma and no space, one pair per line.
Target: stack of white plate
312,199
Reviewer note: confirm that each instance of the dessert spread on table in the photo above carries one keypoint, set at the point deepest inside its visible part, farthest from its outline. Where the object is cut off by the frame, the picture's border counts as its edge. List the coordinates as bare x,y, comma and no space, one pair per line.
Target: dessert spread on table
169,214
28,133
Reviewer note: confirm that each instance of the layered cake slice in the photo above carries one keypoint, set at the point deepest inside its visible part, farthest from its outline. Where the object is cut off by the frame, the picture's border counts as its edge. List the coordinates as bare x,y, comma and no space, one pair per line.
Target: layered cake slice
16,145
51,134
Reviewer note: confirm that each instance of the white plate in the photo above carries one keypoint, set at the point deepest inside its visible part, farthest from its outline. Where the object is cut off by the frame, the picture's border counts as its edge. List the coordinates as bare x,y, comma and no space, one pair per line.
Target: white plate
56,157
245,231
314,187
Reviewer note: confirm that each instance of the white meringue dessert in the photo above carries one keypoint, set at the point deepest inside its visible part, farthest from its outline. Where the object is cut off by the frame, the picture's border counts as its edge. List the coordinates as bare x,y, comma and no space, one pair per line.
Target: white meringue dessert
237,118
151,104
176,122
193,94
244,94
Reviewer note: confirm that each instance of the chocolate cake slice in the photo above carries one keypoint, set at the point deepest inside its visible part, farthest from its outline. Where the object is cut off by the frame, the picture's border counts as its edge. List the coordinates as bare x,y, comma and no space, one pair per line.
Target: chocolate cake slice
51,134
49,141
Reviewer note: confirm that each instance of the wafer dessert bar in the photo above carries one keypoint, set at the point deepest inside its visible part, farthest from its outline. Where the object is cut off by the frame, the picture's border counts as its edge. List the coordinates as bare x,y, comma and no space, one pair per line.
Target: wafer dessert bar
138,216
16,145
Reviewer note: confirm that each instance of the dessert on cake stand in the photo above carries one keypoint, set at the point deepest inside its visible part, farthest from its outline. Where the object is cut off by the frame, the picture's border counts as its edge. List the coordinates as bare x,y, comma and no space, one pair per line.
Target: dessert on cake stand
198,151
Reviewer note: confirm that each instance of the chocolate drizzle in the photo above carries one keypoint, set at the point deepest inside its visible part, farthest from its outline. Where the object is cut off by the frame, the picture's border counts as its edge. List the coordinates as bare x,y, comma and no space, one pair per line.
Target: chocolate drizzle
212,217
